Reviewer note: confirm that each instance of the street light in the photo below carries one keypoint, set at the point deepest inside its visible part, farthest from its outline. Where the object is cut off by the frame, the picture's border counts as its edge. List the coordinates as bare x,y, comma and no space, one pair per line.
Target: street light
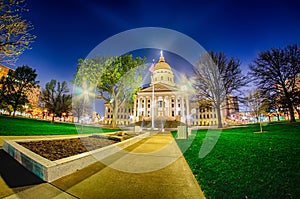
184,90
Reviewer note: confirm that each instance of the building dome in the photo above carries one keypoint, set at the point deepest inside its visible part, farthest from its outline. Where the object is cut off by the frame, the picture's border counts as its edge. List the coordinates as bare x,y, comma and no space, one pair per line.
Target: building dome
162,64
162,72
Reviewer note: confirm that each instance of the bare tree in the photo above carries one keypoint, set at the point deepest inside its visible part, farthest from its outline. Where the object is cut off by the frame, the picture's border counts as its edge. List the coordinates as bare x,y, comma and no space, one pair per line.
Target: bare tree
257,103
275,72
15,36
215,77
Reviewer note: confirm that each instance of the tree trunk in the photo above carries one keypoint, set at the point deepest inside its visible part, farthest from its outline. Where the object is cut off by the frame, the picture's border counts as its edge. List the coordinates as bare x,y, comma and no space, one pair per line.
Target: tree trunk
298,112
115,114
260,125
290,104
52,119
219,116
291,110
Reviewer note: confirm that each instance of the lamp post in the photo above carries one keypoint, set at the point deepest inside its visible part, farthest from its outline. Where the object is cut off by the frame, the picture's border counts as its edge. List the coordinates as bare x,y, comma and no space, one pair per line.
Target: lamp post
184,90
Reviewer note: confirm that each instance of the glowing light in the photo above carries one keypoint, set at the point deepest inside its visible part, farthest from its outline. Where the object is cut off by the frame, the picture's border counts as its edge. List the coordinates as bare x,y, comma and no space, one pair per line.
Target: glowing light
161,53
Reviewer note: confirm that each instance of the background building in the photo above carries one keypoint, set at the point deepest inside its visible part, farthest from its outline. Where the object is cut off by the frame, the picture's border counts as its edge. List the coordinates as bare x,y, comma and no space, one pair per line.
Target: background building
171,103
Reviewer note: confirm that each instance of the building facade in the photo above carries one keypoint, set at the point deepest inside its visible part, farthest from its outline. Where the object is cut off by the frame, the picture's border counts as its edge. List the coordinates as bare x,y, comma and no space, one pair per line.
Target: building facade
168,102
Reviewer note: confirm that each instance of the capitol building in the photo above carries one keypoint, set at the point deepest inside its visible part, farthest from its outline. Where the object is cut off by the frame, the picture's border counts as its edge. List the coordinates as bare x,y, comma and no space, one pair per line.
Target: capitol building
171,103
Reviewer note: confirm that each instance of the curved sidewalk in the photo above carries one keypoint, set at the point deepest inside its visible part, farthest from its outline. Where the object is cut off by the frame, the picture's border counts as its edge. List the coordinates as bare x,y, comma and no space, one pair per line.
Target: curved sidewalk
151,168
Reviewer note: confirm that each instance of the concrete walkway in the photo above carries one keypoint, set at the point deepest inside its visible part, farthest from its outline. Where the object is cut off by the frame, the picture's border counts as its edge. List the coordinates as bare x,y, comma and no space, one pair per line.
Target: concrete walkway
151,168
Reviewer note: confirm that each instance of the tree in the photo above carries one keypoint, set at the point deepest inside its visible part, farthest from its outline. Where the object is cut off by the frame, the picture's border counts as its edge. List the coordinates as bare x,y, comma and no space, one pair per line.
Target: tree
16,85
56,98
257,103
215,77
116,79
15,36
275,72
82,103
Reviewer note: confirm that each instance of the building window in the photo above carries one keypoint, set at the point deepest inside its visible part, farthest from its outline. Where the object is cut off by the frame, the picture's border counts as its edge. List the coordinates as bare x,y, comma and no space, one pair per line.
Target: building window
200,116
215,116
203,116
160,104
173,105
173,113
148,105
178,105
179,113
148,113
207,116
172,101
161,77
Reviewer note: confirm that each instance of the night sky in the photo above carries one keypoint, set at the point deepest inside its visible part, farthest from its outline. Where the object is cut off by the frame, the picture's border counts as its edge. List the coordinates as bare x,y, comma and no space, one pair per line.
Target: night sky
67,30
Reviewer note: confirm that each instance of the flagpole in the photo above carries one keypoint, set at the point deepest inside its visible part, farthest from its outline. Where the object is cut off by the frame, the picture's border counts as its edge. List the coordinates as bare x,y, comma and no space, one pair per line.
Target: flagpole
152,121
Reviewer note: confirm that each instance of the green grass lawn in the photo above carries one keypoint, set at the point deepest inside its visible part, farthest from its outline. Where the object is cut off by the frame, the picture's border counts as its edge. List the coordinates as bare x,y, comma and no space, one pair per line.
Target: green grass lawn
25,126
247,165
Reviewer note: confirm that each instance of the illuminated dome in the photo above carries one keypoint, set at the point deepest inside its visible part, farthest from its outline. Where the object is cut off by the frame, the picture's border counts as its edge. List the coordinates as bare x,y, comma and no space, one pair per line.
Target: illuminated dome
162,64
163,72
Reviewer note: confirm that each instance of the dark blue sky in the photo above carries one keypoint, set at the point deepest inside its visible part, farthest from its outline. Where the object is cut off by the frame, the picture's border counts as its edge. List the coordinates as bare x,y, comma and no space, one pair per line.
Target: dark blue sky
68,30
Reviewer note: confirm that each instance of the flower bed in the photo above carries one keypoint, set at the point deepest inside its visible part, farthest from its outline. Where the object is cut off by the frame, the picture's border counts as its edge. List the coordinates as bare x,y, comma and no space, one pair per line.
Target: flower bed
65,156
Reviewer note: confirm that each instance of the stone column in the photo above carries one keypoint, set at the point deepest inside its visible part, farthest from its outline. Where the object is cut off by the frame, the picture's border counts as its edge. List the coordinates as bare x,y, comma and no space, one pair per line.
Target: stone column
138,107
187,108
182,104
176,106
155,106
134,109
163,106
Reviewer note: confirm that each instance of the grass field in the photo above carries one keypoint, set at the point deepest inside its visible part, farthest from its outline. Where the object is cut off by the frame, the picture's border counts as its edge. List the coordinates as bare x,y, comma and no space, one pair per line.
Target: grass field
25,126
247,165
